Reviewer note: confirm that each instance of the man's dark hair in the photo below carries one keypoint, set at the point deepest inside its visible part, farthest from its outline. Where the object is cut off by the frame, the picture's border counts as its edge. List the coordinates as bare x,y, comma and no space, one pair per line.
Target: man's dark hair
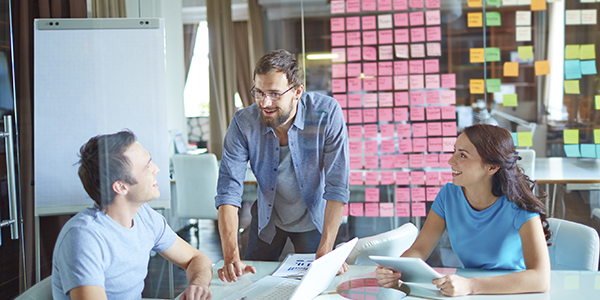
280,61
102,162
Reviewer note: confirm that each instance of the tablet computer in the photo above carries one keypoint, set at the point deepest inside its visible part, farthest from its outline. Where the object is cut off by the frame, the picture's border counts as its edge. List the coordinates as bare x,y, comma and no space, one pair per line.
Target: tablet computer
413,269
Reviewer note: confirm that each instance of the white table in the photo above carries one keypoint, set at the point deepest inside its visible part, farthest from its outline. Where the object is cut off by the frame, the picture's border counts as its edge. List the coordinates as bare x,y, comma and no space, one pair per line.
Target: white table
564,284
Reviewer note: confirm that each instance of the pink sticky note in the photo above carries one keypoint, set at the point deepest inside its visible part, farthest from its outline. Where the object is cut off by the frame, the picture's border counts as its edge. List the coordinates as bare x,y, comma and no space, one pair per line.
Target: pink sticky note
401,161
369,37
432,81
449,97
416,160
354,54
433,97
353,38
341,99
400,114
355,131
403,209
386,100
405,146
432,160
387,130
338,85
370,69
401,98
384,5
356,209
371,147
449,128
355,147
449,81
385,83
401,20
369,84
433,113
448,144
352,23
445,177
356,178
337,7
435,144
419,145
354,69
401,82
417,194
372,210
370,115
417,34
415,66
417,114
386,114
403,130
386,36
432,3
432,17
387,177
338,39
352,6
417,98
444,158
434,49
354,100
419,129
372,178
401,51
356,162
401,67
386,210
434,34
355,116
432,193
369,53
402,194
337,24
416,82
385,68
370,130
370,100
449,112
434,128
401,35
345,210
432,178
339,54
416,18
386,52
338,70
369,22
400,4
371,162
432,66
402,178
354,84
388,162
388,146
418,209
369,5
417,178
416,3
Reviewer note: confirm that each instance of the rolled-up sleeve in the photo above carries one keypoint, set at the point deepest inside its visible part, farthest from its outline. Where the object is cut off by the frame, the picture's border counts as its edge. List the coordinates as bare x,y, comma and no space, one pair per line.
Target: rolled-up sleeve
232,171
335,158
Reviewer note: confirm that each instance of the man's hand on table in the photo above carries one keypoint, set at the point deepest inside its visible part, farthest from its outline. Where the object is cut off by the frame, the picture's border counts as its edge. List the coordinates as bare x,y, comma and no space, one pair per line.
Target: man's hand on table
232,270
196,292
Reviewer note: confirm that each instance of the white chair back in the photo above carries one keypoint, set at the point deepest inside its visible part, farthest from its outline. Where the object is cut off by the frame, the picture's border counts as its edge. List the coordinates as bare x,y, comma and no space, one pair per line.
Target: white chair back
575,246
392,243
527,162
40,291
196,185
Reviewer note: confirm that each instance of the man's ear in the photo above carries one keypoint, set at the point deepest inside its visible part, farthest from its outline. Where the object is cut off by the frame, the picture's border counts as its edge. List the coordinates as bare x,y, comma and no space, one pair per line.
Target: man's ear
299,91
120,187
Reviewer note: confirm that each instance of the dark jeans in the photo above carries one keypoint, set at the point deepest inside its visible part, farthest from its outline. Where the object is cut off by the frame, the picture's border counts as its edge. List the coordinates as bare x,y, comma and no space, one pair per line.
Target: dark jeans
257,249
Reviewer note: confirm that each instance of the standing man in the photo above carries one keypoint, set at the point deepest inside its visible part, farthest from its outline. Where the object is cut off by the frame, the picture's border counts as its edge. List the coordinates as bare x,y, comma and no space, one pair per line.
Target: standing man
297,145
103,252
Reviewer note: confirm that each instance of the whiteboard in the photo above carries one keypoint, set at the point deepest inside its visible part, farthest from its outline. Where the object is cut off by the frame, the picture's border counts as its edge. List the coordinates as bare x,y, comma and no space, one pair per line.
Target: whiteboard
95,76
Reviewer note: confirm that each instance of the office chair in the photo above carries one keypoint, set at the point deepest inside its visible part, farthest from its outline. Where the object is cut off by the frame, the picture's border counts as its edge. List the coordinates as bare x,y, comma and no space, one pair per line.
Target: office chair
575,246
40,291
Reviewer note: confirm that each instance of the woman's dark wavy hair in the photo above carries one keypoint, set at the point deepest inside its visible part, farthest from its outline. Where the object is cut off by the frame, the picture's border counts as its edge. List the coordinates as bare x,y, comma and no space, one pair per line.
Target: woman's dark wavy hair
496,147
280,61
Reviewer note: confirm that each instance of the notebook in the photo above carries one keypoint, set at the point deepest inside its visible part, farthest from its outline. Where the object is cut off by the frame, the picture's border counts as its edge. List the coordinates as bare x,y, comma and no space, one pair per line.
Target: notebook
318,277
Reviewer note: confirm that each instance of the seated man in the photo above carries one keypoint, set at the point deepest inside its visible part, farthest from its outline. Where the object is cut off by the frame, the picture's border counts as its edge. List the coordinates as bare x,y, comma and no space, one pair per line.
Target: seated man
103,252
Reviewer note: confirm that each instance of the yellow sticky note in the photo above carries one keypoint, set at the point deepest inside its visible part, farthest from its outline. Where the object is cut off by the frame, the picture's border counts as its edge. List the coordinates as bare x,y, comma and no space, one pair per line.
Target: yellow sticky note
572,87
596,136
597,283
509,100
571,136
572,282
525,52
511,69
597,100
525,139
538,5
477,86
542,67
475,19
572,52
474,3
587,51
477,55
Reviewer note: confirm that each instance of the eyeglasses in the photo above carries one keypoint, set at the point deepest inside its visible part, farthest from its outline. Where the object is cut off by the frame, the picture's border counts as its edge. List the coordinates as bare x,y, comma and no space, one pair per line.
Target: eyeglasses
258,94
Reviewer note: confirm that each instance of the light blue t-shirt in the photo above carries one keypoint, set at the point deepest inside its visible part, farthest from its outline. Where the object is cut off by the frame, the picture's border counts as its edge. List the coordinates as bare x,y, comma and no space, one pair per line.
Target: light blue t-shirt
486,239
92,249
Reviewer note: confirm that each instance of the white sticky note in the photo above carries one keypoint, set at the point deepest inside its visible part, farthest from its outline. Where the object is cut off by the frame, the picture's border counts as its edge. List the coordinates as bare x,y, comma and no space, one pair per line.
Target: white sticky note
339,54
417,50
509,2
523,18
401,51
573,17
523,2
588,1
597,283
523,34
386,52
572,282
384,21
434,49
588,16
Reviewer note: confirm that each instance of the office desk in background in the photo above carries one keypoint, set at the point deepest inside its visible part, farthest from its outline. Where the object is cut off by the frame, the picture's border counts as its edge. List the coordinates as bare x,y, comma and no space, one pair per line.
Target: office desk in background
564,284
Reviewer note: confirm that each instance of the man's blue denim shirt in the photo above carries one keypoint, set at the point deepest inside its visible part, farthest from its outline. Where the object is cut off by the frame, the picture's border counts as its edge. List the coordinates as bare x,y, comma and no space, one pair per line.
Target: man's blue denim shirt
318,143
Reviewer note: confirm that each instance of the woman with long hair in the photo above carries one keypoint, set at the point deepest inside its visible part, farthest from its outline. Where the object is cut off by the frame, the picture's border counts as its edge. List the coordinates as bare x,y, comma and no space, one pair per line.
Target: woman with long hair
494,219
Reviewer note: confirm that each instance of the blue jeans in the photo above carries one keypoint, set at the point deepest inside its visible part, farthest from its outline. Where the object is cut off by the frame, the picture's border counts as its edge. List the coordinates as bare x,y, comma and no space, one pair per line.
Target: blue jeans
257,249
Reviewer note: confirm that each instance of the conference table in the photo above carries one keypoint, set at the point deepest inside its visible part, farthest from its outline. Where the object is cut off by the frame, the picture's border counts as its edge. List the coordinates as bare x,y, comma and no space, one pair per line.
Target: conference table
359,283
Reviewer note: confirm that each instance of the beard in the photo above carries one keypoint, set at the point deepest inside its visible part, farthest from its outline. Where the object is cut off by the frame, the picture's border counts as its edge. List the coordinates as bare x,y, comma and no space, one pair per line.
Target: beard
278,118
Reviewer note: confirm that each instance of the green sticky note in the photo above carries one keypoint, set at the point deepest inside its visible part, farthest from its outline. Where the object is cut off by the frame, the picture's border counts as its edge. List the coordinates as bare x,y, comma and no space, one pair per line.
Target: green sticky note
587,52
571,136
493,85
492,54
588,150
588,67
597,98
493,18
515,138
525,52
525,139
572,87
573,69
572,151
572,52
494,2
597,136
509,100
